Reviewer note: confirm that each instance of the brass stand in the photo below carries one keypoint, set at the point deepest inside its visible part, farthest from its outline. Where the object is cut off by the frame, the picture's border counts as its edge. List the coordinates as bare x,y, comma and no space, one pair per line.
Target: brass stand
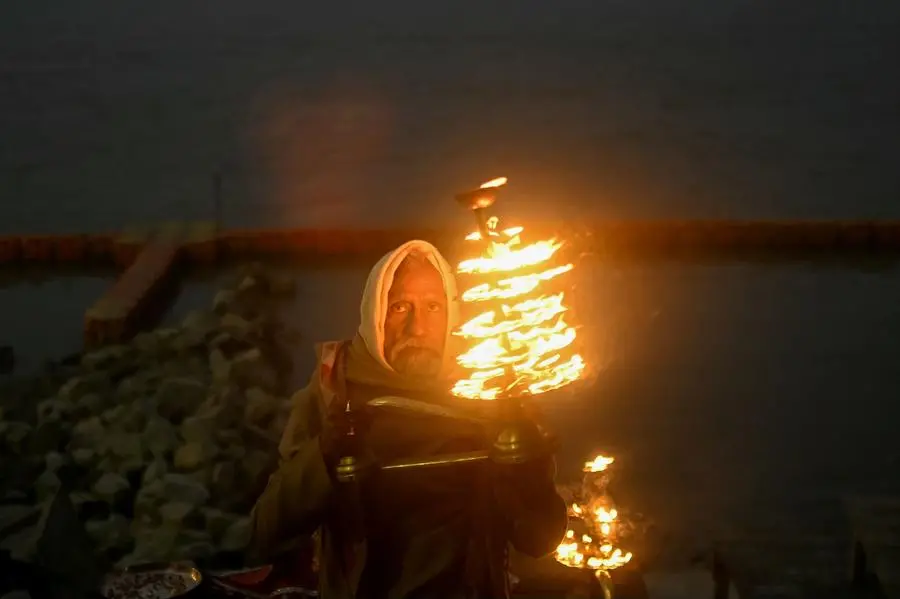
355,462
477,201
519,439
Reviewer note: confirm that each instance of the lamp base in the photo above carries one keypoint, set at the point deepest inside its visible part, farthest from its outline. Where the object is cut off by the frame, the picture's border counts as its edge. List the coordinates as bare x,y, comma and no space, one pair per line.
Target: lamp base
521,441
350,468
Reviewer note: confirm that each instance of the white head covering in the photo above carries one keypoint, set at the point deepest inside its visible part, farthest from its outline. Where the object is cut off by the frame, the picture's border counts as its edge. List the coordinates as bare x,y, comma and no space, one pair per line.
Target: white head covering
374,305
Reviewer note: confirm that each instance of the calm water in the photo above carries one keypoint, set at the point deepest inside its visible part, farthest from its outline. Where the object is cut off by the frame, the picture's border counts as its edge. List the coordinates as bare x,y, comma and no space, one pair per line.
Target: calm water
119,112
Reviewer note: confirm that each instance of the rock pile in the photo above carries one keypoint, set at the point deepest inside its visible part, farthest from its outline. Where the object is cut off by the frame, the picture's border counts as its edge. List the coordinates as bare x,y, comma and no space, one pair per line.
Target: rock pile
164,443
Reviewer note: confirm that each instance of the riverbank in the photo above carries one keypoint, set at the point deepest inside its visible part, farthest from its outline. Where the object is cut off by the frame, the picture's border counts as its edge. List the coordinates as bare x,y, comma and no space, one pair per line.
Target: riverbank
162,444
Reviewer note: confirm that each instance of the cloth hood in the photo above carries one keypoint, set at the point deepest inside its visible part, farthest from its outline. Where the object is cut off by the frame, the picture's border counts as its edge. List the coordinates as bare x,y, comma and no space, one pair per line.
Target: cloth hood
373,308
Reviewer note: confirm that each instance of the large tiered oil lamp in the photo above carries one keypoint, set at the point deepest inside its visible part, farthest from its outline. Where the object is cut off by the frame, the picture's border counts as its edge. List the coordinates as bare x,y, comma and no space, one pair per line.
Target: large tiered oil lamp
518,347
518,341
592,538
517,439
479,200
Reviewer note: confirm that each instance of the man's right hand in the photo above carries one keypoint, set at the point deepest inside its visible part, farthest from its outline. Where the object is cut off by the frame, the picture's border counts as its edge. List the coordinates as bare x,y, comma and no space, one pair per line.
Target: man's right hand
335,437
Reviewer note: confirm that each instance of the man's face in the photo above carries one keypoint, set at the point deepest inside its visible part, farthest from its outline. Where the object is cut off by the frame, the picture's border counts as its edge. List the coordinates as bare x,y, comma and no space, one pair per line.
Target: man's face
416,323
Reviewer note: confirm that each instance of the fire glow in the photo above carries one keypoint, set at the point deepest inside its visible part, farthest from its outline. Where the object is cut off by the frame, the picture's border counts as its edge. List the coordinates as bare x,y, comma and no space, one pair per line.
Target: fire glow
519,343
591,538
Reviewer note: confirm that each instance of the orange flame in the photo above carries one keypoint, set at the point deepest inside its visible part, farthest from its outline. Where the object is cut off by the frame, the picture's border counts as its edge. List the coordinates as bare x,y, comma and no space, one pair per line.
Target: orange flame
594,546
522,343
498,182
598,464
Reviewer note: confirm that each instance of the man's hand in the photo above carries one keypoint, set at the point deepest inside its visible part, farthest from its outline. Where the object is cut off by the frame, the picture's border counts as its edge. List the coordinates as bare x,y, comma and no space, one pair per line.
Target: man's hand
333,440
519,487
528,503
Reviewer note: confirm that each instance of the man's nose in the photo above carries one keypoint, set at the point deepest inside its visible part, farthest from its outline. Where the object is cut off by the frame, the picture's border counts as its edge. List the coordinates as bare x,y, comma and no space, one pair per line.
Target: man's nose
415,324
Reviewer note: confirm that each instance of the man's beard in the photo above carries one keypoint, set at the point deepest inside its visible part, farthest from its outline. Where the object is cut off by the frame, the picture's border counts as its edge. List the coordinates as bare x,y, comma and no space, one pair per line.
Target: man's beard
411,360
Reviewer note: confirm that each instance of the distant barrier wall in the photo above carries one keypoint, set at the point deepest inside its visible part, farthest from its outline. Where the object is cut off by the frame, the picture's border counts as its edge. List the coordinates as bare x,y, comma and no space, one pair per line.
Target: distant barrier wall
149,258
201,244
57,249
714,238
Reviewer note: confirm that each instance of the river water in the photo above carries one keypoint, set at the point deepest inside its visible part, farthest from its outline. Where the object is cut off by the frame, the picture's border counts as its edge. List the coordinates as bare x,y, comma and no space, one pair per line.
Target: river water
728,389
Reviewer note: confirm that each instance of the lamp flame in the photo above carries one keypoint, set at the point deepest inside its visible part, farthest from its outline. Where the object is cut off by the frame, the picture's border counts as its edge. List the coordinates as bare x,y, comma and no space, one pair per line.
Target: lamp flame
596,520
498,182
520,342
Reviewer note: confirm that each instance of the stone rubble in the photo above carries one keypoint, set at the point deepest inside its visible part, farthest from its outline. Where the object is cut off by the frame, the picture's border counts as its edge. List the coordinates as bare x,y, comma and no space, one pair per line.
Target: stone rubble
162,444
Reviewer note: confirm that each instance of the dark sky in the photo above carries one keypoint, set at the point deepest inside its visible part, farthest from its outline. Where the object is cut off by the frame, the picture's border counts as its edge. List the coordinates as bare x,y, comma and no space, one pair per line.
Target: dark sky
35,19
713,108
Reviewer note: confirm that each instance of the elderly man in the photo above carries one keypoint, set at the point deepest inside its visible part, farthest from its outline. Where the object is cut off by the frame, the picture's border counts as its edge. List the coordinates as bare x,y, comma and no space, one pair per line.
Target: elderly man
437,533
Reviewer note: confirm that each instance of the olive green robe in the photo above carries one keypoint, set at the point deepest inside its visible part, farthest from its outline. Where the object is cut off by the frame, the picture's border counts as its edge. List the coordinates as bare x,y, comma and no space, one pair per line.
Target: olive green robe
427,533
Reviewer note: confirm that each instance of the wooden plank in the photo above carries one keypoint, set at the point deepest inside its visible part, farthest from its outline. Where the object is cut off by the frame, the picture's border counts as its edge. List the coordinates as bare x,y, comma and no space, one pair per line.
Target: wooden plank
136,234
201,242
111,318
171,233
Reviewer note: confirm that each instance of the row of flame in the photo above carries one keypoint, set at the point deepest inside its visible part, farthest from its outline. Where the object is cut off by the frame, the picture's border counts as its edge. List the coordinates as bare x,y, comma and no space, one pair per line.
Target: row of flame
595,548
522,345
527,334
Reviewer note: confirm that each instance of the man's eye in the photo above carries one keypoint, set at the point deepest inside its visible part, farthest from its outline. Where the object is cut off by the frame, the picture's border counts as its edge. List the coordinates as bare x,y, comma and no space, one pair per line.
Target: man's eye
399,308
434,307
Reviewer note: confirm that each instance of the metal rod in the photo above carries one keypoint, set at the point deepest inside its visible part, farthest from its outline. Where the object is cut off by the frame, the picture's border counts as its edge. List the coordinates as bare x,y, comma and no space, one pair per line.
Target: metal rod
236,571
421,407
217,198
478,201
481,218
449,459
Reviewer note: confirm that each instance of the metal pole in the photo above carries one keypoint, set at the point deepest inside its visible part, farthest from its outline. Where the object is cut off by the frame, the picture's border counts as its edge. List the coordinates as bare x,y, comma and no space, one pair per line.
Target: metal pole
517,440
217,198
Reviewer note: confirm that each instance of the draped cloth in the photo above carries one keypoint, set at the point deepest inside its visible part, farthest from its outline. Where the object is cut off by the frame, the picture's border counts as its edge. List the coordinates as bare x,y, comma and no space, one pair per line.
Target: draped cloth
425,534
